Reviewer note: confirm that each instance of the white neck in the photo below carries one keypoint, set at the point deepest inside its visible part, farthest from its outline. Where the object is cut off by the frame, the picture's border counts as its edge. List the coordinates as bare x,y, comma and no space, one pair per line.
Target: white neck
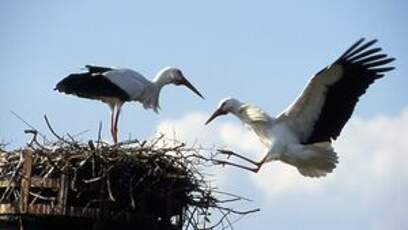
150,98
256,118
162,78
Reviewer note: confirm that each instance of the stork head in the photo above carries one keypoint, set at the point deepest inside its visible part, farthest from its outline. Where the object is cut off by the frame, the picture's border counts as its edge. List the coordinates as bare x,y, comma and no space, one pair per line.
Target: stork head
174,76
226,105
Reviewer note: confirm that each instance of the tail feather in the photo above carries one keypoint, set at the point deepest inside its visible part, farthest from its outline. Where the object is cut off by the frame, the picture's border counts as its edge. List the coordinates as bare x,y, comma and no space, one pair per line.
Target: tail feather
314,160
312,172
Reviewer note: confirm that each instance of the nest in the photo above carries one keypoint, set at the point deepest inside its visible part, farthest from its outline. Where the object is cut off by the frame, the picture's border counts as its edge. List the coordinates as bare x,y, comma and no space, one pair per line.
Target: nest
148,185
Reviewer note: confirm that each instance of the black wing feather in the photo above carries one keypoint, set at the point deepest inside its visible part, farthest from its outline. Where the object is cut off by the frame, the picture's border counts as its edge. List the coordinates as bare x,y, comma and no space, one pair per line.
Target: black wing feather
352,47
379,63
361,68
371,58
361,48
91,86
365,54
97,69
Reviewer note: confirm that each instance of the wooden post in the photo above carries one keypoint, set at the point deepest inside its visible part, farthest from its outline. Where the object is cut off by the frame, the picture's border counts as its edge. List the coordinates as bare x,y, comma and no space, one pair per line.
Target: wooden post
27,158
63,194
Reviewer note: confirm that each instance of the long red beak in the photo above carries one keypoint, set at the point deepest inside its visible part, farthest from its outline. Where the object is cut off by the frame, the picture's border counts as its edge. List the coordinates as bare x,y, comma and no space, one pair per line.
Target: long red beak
217,113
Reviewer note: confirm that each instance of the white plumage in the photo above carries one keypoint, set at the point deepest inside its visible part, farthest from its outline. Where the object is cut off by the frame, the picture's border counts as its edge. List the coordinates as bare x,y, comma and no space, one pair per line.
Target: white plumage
302,134
130,81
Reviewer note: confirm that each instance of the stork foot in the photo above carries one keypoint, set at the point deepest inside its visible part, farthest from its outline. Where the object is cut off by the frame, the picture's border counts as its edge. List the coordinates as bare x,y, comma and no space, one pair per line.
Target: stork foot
224,163
229,154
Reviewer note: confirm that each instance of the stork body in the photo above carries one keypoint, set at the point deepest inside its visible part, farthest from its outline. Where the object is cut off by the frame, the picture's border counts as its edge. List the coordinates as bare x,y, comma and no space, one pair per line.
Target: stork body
117,86
303,133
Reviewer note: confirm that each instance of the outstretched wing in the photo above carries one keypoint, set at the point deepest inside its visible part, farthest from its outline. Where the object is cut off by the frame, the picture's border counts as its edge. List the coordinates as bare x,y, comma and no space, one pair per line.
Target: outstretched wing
91,86
132,82
104,82
254,114
326,104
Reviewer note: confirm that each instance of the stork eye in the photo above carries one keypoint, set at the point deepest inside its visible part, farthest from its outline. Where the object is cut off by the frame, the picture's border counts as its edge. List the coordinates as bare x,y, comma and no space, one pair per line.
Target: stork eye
178,77
179,72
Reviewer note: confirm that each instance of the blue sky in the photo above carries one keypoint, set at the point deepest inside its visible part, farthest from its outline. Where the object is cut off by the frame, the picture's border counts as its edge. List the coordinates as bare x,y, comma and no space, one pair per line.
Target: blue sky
262,52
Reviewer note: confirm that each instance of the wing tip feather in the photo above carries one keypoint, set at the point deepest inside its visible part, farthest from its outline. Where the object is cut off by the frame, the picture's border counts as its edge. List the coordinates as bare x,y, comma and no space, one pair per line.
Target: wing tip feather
370,59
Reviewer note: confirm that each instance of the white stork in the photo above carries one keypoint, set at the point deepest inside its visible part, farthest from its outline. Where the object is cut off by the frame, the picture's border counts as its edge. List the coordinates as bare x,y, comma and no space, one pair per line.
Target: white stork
302,134
117,86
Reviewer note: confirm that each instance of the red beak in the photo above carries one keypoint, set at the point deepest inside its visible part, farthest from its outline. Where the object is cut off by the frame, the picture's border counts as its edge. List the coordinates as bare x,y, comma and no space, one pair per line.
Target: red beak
217,113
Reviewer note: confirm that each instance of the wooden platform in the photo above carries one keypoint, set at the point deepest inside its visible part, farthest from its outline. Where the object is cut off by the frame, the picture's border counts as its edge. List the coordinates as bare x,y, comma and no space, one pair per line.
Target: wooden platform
26,212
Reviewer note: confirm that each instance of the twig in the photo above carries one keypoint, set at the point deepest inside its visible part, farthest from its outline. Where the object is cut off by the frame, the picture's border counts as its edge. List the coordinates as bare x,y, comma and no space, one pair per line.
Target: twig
71,137
39,196
80,133
34,138
108,185
232,195
99,134
25,122
54,133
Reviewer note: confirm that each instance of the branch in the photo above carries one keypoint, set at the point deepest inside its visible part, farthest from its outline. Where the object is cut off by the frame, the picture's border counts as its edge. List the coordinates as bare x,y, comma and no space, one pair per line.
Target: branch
54,133
25,122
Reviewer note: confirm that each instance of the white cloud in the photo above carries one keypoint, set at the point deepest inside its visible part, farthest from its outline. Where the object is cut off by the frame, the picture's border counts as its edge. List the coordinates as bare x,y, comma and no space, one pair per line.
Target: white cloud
372,173
377,145
189,129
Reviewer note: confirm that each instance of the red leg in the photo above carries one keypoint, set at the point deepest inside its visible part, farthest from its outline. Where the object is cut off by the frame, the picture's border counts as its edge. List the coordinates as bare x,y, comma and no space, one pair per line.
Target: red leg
231,153
221,162
112,125
255,169
115,126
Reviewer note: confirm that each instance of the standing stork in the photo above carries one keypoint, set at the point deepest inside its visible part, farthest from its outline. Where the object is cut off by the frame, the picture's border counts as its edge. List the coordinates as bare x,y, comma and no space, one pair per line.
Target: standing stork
302,134
117,86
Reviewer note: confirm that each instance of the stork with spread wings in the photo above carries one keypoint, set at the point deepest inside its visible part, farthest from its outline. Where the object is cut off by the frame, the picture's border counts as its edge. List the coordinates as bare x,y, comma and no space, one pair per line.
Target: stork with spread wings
303,133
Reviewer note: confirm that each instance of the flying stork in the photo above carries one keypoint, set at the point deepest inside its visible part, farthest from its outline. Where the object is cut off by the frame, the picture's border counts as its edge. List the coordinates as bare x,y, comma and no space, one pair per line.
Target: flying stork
117,86
302,134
